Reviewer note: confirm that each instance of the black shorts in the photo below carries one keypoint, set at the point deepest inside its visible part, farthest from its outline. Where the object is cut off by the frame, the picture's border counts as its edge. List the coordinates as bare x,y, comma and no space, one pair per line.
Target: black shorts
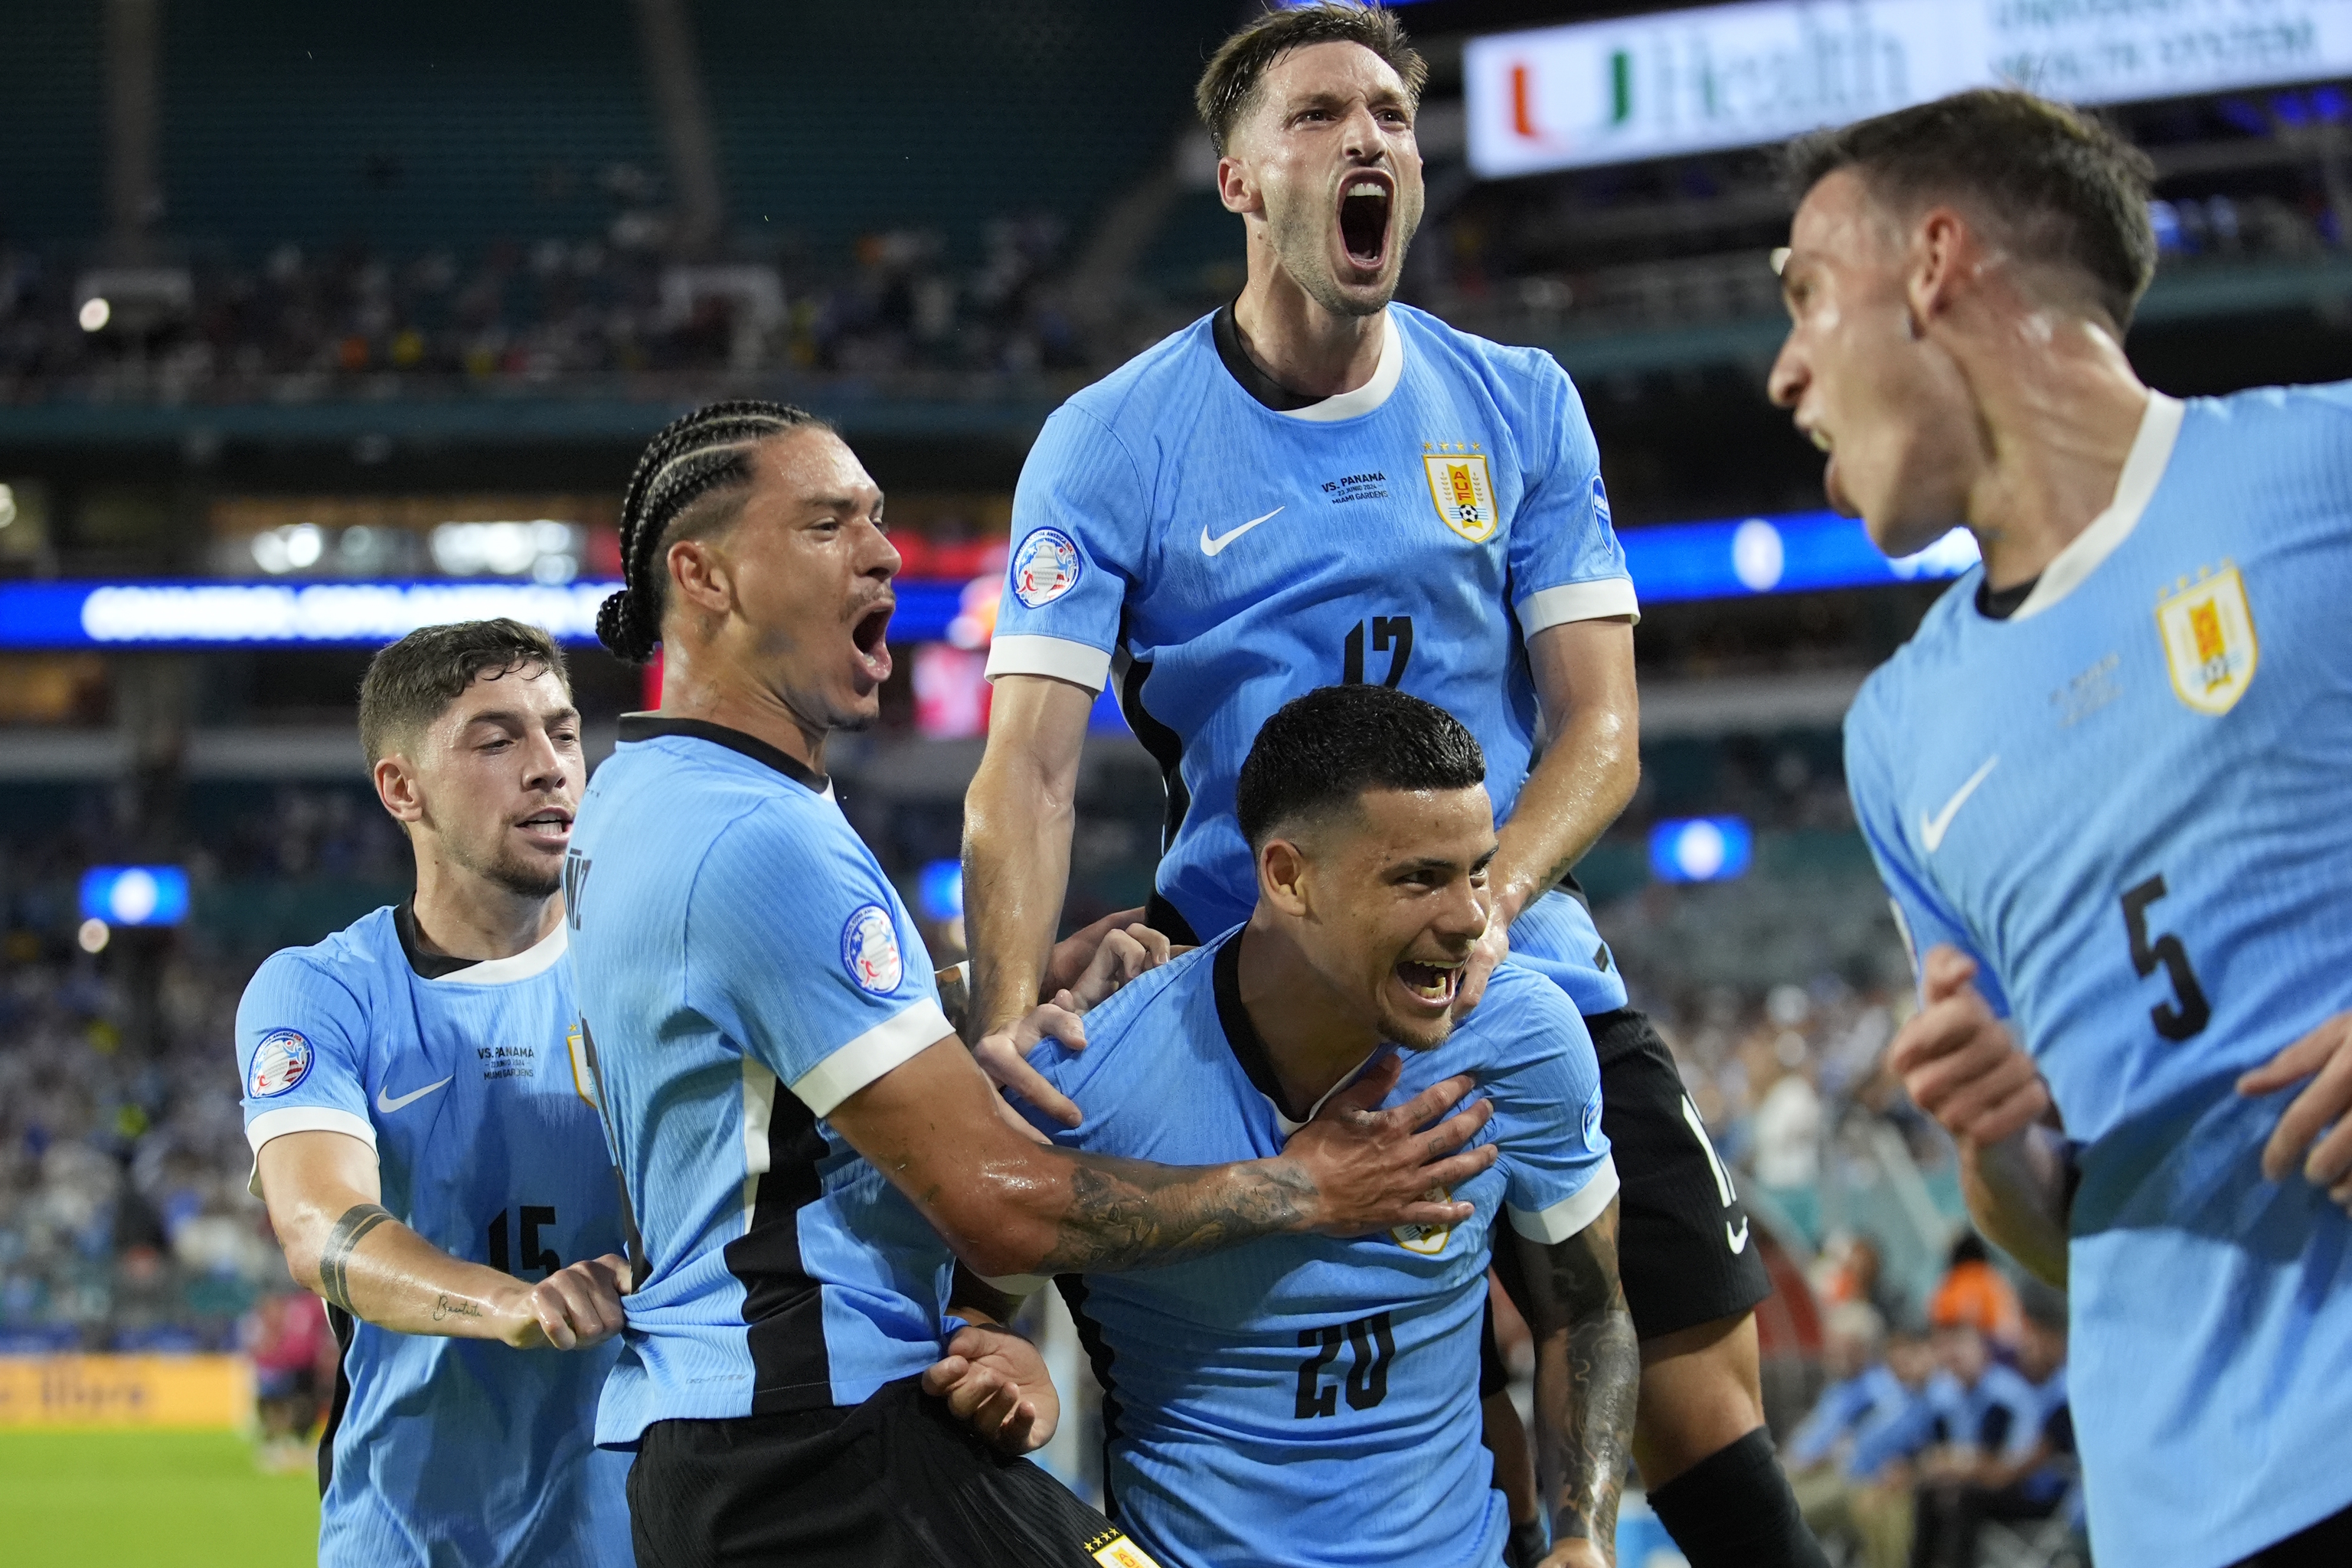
897,1482
1683,1249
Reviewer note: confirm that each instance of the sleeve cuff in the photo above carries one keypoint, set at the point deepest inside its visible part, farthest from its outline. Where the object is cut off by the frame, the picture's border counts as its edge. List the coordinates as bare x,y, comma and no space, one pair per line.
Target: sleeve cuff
1080,664
1594,601
301,1119
902,1036
1573,1212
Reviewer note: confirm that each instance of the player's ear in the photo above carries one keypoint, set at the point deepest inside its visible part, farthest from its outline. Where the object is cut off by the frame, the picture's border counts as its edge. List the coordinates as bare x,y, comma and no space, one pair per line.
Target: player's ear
1944,252
1282,876
699,576
396,785
1235,188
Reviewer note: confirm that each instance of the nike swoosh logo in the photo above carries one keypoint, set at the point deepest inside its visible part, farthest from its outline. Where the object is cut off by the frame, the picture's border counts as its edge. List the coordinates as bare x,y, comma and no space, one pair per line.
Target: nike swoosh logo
1737,1239
1210,546
1933,828
388,1106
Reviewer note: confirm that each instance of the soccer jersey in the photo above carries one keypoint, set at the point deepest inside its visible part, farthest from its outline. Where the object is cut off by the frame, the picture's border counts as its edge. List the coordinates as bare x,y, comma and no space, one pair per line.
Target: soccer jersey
2128,801
745,967
1228,556
465,1079
1302,1400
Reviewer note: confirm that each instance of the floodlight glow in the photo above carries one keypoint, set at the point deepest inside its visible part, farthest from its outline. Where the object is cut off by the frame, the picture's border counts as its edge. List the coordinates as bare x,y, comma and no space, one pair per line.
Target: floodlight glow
1700,849
938,890
135,895
95,314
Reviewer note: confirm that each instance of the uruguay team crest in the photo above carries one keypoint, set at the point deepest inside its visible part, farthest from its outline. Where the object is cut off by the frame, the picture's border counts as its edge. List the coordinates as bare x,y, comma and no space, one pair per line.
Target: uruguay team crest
281,1060
584,1063
1046,566
1429,1240
1466,500
2209,646
869,950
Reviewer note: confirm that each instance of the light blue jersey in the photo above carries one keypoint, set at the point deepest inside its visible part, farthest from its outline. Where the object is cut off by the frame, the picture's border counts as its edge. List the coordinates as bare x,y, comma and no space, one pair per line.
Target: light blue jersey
465,1081
1229,556
745,967
2132,802
1304,1401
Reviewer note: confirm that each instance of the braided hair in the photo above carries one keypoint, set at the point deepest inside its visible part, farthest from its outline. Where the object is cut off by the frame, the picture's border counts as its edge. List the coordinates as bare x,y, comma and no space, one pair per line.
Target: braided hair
706,453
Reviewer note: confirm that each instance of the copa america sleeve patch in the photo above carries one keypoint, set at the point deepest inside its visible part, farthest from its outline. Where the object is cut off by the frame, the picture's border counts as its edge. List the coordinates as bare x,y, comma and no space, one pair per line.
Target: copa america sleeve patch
869,950
1045,565
282,1060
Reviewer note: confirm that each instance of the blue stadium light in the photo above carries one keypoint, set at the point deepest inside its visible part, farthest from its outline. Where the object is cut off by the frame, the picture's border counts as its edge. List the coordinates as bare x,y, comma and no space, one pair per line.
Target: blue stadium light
938,890
1701,849
135,895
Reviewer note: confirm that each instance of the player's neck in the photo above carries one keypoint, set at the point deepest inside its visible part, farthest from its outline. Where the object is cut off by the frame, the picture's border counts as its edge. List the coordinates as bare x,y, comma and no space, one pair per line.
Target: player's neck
459,913
2059,424
1310,1031
707,688
1298,343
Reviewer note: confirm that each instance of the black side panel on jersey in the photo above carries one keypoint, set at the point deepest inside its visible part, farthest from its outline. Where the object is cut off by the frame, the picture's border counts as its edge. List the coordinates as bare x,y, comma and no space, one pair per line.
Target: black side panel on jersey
1099,1355
783,1304
1167,748
344,1327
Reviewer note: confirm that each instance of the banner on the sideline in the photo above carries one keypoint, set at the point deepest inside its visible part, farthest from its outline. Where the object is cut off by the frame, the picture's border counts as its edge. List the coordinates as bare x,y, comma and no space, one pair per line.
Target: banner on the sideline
93,1391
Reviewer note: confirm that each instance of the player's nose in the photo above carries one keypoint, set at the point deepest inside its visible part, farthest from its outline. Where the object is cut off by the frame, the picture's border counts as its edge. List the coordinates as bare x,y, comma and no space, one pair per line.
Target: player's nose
1791,374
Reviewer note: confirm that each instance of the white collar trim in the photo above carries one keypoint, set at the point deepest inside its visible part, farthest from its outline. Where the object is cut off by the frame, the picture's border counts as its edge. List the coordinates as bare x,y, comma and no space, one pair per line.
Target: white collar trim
1288,1126
536,959
1374,393
2144,467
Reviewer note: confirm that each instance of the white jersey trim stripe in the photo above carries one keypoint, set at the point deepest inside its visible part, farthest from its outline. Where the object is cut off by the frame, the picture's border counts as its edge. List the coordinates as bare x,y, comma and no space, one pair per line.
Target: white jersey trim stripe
534,959
278,1123
1372,393
1028,653
2144,468
758,1110
897,1038
1573,1212
1594,601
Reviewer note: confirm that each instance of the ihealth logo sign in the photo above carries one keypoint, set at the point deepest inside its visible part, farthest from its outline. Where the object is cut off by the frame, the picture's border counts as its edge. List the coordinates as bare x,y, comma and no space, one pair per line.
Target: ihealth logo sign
1689,81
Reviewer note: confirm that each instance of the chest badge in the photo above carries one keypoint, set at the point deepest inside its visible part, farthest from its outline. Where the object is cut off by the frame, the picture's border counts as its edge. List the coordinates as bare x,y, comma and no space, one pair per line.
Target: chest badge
1429,1240
2209,646
1465,500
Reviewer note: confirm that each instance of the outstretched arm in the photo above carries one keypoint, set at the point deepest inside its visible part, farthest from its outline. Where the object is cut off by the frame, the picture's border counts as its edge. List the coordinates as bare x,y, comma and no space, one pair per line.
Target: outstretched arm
1588,1371
1018,816
323,1190
1591,761
1012,1208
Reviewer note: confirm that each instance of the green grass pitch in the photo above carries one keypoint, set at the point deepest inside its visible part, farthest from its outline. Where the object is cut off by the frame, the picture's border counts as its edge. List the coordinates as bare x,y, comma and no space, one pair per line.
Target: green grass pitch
161,1499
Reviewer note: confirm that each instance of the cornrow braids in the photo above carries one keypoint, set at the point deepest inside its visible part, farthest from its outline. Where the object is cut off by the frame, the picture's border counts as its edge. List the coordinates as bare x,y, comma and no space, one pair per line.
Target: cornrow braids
704,453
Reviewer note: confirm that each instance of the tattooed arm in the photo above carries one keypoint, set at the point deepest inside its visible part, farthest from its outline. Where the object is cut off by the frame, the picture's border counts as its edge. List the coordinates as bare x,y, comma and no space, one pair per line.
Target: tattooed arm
1588,1370
322,1189
1011,1206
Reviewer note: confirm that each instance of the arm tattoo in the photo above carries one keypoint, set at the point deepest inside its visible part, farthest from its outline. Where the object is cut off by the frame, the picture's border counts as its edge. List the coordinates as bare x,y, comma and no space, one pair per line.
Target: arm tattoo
449,1306
955,994
1580,1316
334,1281
1125,1214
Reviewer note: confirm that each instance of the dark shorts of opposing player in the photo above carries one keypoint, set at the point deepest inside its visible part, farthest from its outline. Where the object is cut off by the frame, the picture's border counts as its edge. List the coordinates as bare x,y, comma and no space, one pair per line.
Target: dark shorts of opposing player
896,1482
1685,1253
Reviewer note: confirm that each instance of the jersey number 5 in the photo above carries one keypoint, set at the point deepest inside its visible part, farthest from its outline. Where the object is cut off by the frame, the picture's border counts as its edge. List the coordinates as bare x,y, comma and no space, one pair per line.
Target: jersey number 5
1391,634
1373,1347
2186,1012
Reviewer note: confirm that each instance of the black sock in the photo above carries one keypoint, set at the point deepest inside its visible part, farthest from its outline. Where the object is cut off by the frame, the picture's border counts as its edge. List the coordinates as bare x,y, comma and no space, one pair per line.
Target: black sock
1734,1510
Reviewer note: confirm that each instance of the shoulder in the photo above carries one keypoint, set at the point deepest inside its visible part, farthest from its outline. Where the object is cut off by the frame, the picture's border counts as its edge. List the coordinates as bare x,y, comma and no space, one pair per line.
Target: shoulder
339,971
1886,689
2303,430
782,845
1514,369
1524,1019
1137,1031
1139,390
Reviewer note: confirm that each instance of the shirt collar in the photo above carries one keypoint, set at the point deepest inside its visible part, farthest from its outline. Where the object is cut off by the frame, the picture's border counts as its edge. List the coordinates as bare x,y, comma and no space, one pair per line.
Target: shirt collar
2144,467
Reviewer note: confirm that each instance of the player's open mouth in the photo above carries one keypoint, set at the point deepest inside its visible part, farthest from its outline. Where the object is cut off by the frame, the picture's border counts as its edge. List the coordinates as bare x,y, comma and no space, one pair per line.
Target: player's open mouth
1432,982
1364,202
553,824
870,633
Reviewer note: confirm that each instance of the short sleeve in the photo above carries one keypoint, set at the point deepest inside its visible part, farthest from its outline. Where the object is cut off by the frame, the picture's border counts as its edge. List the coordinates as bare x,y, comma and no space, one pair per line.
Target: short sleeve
301,1050
798,949
1079,515
1566,563
1544,1085
1920,911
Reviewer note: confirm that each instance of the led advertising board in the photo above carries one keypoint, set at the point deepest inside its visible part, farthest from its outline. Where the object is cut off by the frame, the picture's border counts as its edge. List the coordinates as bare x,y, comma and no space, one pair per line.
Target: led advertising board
1737,76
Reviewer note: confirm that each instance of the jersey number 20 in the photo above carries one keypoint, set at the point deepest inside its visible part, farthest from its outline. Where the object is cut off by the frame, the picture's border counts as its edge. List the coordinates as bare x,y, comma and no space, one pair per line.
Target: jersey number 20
1373,1347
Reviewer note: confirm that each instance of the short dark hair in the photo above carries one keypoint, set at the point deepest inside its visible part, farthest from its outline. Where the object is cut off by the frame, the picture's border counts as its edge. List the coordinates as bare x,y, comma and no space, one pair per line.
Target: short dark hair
412,682
2063,187
1323,751
1233,71
692,479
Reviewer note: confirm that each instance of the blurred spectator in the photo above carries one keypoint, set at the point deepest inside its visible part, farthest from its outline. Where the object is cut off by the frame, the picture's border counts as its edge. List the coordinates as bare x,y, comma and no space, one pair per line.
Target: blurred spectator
1856,1271
1851,1457
1976,1293
294,1360
2031,1474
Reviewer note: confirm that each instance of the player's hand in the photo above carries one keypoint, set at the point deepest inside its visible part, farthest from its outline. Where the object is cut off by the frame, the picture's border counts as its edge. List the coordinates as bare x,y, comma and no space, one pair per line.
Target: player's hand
2325,1056
578,1305
1071,956
1493,946
996,1382
1373,1169
1959,1064
1003,1055
1578,1554
1120,957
